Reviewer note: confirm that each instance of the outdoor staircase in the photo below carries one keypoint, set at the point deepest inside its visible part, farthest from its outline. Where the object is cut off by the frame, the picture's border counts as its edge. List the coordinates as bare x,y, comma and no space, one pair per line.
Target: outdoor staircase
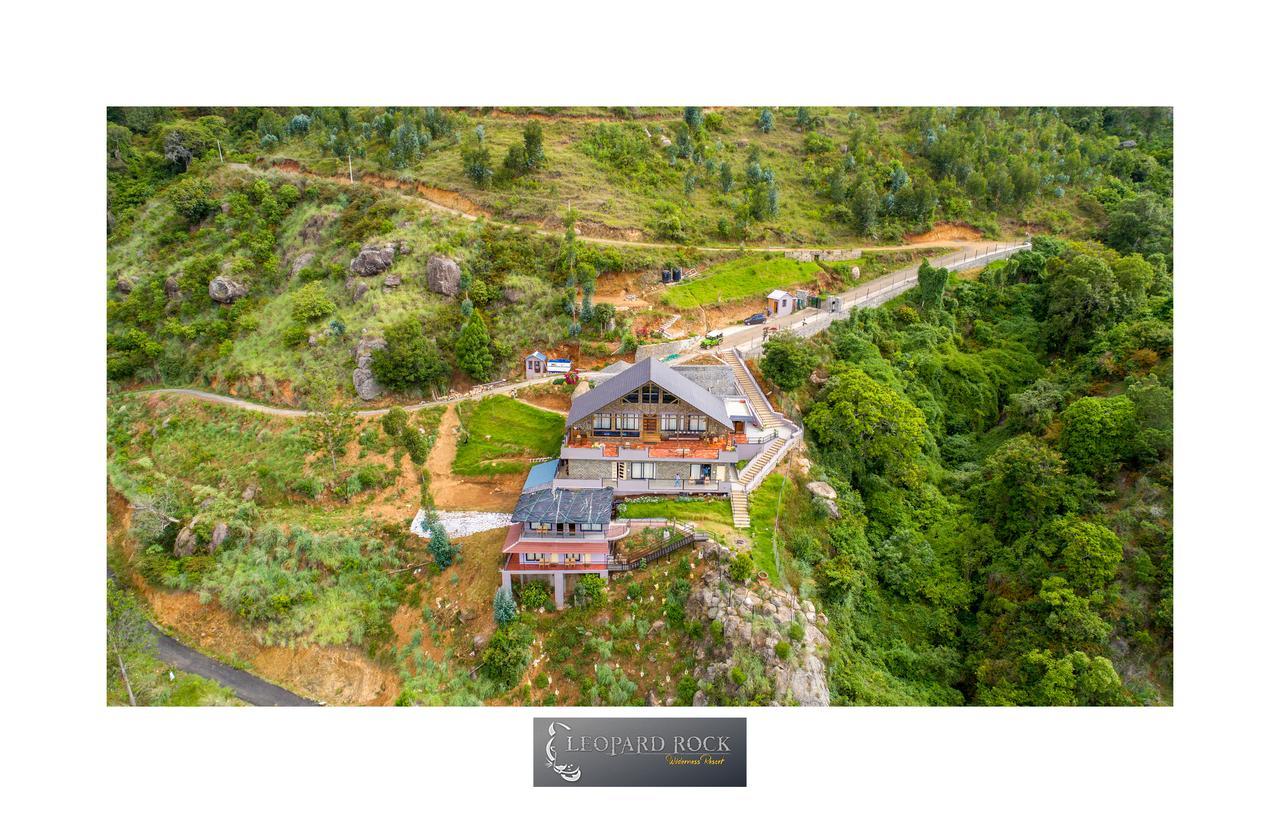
738,502
768,418
761,460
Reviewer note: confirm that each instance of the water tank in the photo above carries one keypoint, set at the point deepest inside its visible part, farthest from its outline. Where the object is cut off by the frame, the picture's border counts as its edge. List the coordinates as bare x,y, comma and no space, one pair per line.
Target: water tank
666,275
675,274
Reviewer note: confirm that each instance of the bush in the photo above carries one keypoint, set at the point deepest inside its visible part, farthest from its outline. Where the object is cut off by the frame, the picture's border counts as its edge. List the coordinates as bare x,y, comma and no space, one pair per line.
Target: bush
415,443
394,422
311,302
534,594
741,568
193,200
783,650
507,655
589,591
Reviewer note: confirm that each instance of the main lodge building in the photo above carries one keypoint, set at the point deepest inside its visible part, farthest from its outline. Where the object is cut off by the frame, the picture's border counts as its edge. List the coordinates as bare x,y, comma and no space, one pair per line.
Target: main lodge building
645,428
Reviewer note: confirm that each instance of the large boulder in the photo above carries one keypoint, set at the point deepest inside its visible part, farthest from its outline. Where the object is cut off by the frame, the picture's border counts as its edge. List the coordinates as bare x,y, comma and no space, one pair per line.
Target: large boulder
443,275
391,281
123,284
172,288
373,259
185,544
313,230
226,290
821,489
366,386
300,262
356,289
220,532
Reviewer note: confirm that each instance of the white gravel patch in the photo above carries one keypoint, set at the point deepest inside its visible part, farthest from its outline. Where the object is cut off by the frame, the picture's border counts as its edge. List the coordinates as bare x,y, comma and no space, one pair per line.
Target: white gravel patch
462,523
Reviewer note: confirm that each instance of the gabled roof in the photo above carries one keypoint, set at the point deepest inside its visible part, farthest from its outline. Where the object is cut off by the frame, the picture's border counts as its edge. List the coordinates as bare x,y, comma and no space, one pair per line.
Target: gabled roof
594,505
639,374
537,354
778,293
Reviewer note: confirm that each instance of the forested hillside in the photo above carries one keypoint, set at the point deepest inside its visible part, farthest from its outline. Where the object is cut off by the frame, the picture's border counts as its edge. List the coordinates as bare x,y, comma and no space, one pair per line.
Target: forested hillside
1002,451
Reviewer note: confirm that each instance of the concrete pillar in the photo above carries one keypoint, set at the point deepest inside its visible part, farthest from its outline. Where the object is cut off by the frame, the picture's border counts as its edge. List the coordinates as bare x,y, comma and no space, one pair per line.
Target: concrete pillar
558,581
506,581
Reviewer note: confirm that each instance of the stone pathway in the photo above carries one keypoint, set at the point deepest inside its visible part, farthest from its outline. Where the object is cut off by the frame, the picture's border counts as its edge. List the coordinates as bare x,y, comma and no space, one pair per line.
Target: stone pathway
462,523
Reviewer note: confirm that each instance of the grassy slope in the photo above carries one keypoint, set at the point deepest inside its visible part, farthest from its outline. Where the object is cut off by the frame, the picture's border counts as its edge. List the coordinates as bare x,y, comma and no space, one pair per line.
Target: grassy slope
765,503
504,434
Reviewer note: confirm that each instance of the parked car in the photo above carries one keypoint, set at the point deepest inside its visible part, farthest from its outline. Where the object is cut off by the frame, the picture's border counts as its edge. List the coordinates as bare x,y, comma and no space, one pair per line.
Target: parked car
713,338
756,319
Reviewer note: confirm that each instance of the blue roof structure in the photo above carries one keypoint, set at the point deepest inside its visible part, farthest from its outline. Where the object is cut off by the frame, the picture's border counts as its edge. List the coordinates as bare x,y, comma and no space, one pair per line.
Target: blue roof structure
541,475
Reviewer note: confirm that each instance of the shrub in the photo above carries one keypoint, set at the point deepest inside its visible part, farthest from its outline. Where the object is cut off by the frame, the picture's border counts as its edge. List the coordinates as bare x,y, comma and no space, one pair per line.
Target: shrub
796,631
415,443
741,567
685,690
311,302
589,591
783,650
534,594
193,200
394,422
507,655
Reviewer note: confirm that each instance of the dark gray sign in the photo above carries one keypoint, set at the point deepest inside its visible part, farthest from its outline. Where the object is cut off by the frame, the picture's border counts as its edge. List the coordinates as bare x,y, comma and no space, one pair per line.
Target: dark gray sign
640,752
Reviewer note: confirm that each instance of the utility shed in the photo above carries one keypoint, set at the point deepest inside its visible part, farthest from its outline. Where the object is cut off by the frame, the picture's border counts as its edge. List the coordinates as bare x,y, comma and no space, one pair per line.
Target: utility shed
780,303
535,364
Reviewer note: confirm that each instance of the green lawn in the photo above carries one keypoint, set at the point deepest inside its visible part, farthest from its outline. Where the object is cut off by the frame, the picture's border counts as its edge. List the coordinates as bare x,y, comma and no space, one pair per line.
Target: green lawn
739,279
503,435
716,510
765,502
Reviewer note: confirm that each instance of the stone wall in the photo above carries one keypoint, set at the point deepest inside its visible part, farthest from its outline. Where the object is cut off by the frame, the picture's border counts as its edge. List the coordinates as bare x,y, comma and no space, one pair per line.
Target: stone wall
830,255
590,469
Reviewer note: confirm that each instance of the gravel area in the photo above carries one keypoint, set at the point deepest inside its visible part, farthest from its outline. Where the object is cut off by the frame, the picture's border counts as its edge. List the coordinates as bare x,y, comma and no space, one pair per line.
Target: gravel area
462,523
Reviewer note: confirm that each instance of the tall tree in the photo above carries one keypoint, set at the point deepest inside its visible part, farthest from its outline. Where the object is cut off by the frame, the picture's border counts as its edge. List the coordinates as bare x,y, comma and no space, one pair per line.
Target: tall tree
473,348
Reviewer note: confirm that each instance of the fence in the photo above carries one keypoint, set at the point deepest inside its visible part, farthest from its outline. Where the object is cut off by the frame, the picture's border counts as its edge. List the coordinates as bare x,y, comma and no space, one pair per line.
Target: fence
689,536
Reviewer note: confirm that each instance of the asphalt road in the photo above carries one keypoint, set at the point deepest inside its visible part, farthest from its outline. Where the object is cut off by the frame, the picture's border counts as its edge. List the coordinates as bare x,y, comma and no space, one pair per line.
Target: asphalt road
249,688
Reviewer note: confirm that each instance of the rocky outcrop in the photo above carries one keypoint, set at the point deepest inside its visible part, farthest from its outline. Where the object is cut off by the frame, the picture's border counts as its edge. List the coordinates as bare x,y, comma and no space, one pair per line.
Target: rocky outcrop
366,386
185,544
785,634
300,262
373,259
825,495
123,284
391,281
313,230
443,275
172,288
220,532
356,289
226,290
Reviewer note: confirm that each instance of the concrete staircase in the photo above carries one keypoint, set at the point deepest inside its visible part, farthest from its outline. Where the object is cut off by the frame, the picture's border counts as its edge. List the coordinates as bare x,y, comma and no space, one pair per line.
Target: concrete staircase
768,418
738,502
761,460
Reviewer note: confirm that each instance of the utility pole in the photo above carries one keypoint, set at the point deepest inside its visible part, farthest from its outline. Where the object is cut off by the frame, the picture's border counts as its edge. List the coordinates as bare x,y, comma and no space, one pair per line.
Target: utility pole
351,176
219,142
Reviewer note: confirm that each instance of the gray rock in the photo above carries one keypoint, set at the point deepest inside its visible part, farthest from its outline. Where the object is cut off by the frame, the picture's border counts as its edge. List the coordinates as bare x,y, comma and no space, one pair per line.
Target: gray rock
185,544
366,386
313,230
123,284
249,493
226,290
443,275
302,261
171,288
512,295
356,289
829,506
220,532
391,281
652,698
821,489
699,698
478,642
373,259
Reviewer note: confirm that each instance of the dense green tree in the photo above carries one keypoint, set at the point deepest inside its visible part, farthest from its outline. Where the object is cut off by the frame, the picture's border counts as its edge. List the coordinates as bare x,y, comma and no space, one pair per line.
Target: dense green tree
764,122
1034,408
932,284
1141,223
1022,485
192,199
693,118
534,156
726,177
787,361
311,302
395,421
442,550
410,359
1088,553
507,655
477,164
1083,298
864,428
473,349
1097,434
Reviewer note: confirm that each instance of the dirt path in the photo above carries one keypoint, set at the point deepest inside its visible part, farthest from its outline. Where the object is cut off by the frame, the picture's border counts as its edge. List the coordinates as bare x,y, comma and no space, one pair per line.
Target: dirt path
453,493
456,204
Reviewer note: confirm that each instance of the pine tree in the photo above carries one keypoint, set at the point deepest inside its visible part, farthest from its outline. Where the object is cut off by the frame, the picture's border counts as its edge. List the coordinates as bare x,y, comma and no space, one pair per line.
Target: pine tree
726,177
765,122
472,349
504,606
693,118
442,550
533,155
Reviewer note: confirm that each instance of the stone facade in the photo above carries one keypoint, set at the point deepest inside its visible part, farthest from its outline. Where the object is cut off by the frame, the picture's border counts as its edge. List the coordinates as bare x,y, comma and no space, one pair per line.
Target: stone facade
607,469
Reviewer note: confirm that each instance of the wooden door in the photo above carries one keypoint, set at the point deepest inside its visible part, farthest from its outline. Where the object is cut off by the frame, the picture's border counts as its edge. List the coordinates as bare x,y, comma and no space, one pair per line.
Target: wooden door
649,427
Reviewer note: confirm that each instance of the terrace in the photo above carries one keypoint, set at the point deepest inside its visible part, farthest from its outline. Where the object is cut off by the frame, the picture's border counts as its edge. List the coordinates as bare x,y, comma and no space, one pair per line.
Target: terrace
693,446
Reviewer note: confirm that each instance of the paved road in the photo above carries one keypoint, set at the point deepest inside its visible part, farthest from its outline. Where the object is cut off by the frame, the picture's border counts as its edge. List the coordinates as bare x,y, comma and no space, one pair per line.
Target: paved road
249,688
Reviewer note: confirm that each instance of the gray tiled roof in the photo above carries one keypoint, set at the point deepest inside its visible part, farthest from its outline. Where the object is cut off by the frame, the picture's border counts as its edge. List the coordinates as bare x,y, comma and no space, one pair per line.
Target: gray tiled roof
716,379
593,505
639,374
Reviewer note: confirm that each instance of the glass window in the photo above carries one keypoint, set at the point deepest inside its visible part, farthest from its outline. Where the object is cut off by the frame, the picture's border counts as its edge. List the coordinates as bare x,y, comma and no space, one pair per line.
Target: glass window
668,398
643,471
670,423
697,423
629,421
602,420
540,526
